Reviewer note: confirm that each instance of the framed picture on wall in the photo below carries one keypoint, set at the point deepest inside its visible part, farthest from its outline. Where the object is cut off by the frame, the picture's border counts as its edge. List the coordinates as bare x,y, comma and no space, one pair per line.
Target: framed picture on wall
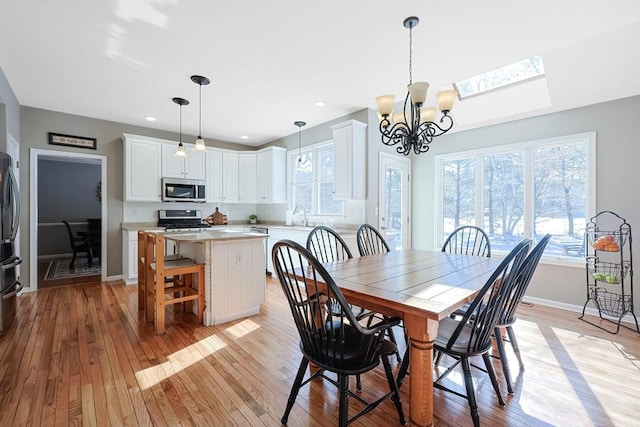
72,141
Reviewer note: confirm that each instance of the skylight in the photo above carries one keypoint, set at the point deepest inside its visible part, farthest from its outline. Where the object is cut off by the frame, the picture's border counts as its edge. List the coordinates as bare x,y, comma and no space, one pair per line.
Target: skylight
518,72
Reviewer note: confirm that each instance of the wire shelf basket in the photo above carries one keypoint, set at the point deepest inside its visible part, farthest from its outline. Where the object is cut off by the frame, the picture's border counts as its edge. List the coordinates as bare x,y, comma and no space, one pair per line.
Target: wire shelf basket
608,241
607,272
611,303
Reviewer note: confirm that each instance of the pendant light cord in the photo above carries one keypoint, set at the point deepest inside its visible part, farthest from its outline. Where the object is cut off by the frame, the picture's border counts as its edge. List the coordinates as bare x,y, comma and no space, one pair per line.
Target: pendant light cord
410,53
200,108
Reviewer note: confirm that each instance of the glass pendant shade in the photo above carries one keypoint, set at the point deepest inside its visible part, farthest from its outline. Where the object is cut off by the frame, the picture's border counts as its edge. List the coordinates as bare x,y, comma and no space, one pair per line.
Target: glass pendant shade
446,98
385,104
427,114
418,92
200,146
180,152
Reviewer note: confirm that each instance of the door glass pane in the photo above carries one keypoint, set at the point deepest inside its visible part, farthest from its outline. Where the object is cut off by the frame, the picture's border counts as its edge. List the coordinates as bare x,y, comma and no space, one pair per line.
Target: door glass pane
504,200
459,190
393,211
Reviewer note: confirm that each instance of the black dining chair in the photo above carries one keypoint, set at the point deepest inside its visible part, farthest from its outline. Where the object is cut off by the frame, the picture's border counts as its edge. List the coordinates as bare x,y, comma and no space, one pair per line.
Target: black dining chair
468,240
327,246
78,244
371,242
508,317
470,335
331,337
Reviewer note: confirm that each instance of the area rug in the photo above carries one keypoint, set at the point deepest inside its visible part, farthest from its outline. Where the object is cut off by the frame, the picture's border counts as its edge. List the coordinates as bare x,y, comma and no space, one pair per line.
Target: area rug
60,269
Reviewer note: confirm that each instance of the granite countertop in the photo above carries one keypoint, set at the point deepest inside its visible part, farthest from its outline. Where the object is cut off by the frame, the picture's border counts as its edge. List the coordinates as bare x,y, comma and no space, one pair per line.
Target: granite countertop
209,235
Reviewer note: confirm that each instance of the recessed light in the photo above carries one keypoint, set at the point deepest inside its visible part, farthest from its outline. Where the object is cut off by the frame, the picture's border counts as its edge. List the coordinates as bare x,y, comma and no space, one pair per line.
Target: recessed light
244,137
149,118
320,103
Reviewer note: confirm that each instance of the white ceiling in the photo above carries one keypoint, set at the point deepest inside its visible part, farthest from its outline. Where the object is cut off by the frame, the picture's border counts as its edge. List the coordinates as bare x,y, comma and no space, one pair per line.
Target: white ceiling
269,61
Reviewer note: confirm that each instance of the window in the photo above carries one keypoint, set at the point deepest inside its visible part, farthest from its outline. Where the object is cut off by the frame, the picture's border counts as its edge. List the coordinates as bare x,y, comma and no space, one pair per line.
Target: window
521,71
521,190
312,180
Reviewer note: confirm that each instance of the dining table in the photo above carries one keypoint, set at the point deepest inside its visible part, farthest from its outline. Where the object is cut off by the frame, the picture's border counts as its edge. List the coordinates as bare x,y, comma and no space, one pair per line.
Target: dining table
421,287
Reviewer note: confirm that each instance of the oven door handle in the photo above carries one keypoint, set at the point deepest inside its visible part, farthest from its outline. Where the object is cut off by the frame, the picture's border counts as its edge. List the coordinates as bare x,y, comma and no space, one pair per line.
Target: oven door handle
15,291
15,263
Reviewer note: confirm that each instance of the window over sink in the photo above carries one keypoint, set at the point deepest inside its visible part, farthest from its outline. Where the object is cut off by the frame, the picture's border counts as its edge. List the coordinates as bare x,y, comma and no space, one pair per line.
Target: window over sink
310,175
521,190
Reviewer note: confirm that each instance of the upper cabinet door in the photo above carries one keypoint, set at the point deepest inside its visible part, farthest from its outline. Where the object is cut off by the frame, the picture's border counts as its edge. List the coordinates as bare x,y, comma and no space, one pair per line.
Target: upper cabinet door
190,167
195,165
214,175
142,170
272,175
229,177
172,166
350,155
247,178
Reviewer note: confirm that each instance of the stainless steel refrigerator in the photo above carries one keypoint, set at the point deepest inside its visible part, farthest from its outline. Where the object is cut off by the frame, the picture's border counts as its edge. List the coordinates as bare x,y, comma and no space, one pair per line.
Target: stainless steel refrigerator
9,260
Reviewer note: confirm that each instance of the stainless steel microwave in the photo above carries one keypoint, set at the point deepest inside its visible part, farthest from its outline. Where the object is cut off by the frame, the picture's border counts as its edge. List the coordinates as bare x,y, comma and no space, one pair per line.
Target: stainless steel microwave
183,190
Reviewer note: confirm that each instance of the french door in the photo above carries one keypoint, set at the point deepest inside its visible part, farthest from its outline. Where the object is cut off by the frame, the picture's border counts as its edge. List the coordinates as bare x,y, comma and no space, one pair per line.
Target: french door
394,200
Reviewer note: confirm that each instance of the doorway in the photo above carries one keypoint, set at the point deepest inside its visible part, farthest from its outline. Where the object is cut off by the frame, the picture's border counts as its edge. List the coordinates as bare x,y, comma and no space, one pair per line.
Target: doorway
45,228
394,200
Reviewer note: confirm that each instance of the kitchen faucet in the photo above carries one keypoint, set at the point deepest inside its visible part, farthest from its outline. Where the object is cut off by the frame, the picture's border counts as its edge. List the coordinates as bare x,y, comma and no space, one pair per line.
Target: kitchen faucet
304,211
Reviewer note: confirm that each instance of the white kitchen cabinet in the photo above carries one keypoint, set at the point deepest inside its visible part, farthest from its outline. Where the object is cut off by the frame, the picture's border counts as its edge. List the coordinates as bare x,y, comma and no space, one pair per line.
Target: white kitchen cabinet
229,177
350,160
214,176
142,168
222,176
247,178
191,167
272,175
130,256
299,235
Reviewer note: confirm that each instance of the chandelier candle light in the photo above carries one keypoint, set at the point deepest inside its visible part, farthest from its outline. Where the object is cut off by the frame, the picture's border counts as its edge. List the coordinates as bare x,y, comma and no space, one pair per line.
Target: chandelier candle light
200,81
414,127
180,151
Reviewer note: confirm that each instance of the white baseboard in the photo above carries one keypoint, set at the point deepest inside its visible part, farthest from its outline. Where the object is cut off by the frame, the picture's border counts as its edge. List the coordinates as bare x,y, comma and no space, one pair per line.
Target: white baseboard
592,311
114,278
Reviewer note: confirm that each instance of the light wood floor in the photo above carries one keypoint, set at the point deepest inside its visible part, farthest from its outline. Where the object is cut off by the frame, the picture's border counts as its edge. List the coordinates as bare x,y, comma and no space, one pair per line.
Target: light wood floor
82,355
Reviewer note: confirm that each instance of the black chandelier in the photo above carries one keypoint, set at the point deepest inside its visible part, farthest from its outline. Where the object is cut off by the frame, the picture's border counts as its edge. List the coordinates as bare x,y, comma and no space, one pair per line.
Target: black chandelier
414,126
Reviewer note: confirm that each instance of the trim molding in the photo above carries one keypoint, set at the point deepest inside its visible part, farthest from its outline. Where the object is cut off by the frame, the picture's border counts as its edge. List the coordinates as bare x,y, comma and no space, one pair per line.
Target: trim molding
575,308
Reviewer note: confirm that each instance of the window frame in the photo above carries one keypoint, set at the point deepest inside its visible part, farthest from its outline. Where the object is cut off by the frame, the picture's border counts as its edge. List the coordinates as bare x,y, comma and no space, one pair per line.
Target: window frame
527,148
292,157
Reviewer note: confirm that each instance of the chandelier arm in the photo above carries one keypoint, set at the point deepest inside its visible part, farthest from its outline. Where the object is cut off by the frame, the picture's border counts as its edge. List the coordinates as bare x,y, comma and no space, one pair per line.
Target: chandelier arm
433,129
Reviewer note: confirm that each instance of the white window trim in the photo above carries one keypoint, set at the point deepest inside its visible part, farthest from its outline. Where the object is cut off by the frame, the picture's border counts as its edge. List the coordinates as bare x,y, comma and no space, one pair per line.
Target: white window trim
590,207
292,157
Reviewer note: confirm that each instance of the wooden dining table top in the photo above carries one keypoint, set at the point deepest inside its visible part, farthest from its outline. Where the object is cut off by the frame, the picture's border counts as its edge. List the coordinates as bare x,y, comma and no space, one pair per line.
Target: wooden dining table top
426,283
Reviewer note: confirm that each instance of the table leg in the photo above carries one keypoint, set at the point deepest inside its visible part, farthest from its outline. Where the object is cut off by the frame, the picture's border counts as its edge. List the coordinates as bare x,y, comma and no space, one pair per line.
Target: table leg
422,332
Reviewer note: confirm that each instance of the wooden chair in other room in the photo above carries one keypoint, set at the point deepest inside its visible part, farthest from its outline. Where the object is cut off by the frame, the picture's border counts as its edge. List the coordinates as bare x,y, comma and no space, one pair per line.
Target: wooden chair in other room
183,289
78,244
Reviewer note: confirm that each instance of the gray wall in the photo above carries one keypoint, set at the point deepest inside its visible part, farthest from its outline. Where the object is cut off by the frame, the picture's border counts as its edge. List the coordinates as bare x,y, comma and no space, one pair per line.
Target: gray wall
9,113
35,125
67,190
617,127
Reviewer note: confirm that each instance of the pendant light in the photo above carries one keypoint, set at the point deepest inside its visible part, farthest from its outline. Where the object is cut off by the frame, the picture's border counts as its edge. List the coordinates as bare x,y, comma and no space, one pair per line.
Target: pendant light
299,123
200,80
180,151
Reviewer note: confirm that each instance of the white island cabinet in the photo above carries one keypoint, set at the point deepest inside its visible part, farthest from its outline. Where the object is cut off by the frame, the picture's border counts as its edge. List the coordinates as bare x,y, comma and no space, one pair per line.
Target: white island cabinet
234,271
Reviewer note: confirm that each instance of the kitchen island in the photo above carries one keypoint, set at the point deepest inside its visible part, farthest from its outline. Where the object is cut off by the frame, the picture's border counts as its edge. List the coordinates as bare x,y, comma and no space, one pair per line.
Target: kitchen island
234,272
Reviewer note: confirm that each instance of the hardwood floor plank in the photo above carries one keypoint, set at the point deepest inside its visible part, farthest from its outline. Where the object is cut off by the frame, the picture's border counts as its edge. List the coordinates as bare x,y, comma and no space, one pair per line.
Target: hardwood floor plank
83,355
